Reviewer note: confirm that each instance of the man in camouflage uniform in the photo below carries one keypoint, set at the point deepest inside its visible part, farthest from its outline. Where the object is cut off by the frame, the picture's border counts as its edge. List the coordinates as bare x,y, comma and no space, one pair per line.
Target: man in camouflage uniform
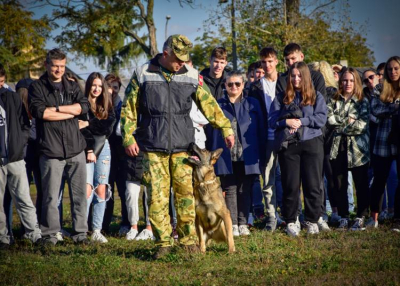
155,118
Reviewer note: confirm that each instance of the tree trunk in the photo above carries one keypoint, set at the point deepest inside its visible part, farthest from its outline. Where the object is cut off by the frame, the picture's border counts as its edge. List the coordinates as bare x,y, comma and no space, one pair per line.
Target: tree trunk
152,28
234,52
292,11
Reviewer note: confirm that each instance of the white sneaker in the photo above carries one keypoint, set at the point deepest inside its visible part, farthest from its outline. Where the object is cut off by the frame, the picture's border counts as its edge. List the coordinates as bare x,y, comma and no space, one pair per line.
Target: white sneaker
98,237
244,230
59,236
145,235
343,224
298,224
131,235
123,230
292,229
312,228
235,230
358,224
322,225
371,223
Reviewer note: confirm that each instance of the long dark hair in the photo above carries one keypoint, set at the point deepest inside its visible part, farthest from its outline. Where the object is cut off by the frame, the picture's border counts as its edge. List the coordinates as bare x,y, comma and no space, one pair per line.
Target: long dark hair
306,89
103,101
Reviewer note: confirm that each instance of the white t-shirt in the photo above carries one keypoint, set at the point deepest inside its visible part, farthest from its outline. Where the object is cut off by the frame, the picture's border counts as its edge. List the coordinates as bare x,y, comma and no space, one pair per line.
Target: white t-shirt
269,95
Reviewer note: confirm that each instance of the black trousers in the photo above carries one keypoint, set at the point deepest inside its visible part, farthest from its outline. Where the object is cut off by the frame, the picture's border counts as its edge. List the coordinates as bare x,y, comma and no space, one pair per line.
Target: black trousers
340,184
301,163
117,177
381,167
238,191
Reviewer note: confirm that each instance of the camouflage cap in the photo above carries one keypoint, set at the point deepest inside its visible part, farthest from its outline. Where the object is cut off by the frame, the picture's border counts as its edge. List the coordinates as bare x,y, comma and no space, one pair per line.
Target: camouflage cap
181,46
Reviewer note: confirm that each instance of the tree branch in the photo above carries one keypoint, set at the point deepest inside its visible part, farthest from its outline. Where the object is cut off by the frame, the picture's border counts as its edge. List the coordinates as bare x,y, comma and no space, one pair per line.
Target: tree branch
145,48
321,6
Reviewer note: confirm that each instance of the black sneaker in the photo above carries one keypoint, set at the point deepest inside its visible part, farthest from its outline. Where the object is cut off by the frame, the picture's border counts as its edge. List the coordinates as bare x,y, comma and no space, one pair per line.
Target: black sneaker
4,246
46,242
271,224
82,241
161,252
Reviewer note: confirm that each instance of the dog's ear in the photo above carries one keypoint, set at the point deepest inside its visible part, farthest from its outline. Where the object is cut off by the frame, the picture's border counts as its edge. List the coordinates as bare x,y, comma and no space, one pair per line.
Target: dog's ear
215,155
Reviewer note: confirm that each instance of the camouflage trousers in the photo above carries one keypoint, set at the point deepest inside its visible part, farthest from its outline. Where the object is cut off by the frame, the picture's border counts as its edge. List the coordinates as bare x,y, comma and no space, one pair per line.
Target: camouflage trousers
160,170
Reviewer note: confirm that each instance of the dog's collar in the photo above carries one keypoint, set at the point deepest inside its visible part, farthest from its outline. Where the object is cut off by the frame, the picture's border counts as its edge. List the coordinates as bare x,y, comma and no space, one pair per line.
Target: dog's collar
209,182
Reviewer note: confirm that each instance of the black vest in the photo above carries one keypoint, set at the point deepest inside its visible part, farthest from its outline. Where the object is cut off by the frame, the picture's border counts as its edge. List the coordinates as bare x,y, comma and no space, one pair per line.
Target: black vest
164,107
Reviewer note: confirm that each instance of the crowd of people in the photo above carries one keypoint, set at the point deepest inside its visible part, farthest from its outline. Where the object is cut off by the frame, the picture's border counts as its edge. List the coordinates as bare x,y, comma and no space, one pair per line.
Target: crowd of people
315,132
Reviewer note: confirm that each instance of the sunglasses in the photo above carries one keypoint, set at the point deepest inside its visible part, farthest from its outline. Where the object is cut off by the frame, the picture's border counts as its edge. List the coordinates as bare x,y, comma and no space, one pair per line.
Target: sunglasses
230,84
371,77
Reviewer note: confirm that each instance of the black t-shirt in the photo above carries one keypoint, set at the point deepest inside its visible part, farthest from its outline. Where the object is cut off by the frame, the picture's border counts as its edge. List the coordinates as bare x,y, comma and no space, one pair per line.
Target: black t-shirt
3,126
60,87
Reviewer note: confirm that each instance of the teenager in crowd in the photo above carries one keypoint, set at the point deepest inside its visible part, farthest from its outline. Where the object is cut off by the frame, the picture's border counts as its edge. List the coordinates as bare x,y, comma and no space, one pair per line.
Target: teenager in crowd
239,167
385,150
298,114
373,88
348,114
97,127
380,69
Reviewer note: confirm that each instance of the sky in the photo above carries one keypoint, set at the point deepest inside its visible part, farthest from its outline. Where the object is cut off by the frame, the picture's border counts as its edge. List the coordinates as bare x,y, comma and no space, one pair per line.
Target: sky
379,17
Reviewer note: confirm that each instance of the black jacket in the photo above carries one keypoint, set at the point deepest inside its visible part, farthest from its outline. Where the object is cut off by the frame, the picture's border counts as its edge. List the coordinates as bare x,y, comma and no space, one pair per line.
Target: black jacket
57,139
256,90
283,137
217,90
17,124
97,127
316,77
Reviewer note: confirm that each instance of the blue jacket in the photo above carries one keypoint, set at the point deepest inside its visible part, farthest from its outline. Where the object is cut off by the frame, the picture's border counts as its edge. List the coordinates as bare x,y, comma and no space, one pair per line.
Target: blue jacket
253,136
314,116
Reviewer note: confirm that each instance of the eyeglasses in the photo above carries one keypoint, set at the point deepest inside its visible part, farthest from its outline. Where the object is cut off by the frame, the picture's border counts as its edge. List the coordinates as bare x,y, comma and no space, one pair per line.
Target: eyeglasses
230,84
371,77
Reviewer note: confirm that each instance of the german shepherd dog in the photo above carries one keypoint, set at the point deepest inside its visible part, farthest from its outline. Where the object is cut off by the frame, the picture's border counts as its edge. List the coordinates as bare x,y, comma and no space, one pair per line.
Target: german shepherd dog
213,219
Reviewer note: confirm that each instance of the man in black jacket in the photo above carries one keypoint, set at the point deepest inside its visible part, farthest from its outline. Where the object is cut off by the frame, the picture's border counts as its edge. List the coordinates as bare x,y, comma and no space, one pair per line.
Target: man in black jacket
214,76
293,54
14,133
56,102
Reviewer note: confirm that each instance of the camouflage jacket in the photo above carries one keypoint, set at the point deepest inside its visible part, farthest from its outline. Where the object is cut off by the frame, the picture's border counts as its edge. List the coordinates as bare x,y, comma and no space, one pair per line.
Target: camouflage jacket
356,133
138,113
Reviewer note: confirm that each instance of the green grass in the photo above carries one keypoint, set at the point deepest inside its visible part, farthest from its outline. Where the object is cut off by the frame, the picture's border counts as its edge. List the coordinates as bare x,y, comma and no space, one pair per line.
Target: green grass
335,258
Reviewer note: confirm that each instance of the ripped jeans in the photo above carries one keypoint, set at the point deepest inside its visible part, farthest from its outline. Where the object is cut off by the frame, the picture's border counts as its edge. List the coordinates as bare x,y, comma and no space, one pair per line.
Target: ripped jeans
97,174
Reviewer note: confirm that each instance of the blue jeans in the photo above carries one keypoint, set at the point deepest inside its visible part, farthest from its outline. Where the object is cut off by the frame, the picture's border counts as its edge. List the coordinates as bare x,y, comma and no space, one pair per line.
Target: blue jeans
97,174
350,192
391,186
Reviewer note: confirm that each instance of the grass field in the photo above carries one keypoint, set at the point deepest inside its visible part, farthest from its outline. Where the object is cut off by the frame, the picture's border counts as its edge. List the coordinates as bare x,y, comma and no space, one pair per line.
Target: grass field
334,258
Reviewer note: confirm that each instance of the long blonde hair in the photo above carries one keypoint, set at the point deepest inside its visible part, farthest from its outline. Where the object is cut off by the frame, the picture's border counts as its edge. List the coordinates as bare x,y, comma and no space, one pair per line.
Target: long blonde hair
391,90
307,89
327,72
357,85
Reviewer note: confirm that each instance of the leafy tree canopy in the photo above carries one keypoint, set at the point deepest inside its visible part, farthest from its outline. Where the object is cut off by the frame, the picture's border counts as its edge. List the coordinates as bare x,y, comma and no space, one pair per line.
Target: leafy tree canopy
22,39
323,33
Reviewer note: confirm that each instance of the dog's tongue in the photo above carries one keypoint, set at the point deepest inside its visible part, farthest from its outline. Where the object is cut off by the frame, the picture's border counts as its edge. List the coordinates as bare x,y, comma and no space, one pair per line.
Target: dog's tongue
195,158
